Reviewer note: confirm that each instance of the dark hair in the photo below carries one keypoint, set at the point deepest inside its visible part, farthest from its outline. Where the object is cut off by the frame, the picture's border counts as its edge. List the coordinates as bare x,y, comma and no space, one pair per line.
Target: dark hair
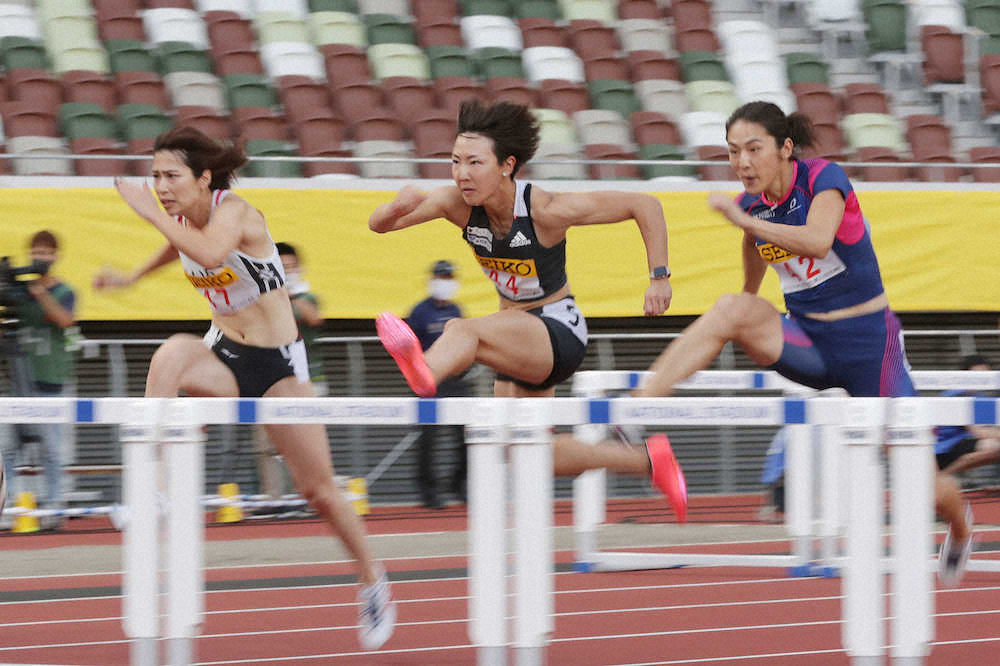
513,128
46,238
795,126
201,152
970,360
286,248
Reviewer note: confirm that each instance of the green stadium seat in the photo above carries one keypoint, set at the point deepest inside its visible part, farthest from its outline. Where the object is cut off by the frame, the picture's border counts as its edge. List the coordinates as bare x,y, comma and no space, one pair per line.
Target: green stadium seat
92,58
538,9
271,148
719,96
81,119
333,6
389,29
388,60
448,60
128,55
493,62
182,57
989,45
336,28
22,53
805,67
248,90
886,25
985,15
663,151
702,65
142,121
613,95
490,7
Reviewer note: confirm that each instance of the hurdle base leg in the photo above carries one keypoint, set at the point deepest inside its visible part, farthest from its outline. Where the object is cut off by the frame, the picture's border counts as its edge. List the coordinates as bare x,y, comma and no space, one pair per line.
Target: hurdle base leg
142,652
180,651
491,655
529,656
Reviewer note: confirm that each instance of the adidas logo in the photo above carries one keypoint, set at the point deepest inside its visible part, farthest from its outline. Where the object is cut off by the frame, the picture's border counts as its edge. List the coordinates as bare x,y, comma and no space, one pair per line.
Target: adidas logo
519,240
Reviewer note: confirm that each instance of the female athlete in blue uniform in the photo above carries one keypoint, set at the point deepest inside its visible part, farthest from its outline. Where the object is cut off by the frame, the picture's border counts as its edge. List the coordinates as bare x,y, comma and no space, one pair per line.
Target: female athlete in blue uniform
538,338
802,218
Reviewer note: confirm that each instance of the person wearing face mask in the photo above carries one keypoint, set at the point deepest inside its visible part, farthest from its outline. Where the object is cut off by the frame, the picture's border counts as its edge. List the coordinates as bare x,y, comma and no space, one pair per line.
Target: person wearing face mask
428,319
46,338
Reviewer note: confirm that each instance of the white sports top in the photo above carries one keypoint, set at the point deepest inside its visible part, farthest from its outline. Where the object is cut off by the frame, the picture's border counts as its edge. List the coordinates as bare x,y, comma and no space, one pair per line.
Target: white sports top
240,280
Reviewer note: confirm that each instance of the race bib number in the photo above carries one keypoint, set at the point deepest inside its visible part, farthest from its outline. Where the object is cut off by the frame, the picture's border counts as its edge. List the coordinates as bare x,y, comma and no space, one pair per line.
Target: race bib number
515,279
799,273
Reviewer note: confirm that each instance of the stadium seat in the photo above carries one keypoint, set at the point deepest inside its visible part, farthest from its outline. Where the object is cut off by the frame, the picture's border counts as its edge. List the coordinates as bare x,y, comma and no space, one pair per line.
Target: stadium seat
590,10
543,32
248,90
592,38
487,7
140,146
886,25
606,67
702,65
18,21
563,95
280,27
254,123
121,27
271,148
440,33
35,86
336,28
865,98
804,67
345,63
431,11
599,126
39,166
228,31
985,15
316,6
512,89
142,121
93,58
482,31
653,127
645,35
663,95
70,30
833,11
947,13
548,9
944,55
79,119
816,101
644,9
394,7
747,38
141,87
319,131
354,100
385,149
989,74
204,118
568,171
130,56
388,60
244,8
97,146
720,154
85,86
555,127
170,24
610,151
492,62
448,60
691,14
389,29
719,96
989,44
26,119
662,151
434,136
292,58
297,8
753,78
106,9
195,89
828,143
697,39
237,60
182,57
613,95
301,96
552,62
405,95
880,174
377,124
453,90
339,170
653,65
928,136
982,155
703,128
22,52
866,130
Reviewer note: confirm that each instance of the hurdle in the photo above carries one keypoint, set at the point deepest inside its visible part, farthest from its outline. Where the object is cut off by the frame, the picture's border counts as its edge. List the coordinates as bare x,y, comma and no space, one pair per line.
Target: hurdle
520,428
805,523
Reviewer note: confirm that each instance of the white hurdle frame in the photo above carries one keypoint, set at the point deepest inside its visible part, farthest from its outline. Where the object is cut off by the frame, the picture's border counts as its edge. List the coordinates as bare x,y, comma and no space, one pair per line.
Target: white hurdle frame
804,521
170,426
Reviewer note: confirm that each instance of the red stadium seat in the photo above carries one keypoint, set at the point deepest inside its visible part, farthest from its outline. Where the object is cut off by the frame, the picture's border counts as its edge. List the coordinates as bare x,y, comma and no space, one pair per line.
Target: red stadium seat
611,151
982,155
653,65
453,90
121,27
26,119
606,67
566,96
816,101
944,55
345,64
538,31
865,98
691,14
591,38
653,127
356,99
880,174
696,39
512,89
259,122
205,118
35,87
639,9
140,87
712,172
94,87
441,32
98,146
405,94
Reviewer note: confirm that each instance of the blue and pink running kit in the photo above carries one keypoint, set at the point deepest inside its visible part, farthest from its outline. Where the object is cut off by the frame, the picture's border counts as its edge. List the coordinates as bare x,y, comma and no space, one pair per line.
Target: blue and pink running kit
862,354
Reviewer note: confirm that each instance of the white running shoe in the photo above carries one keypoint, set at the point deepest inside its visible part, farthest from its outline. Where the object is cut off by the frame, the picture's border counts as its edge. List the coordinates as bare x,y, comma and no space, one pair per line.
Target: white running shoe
377,614
953,557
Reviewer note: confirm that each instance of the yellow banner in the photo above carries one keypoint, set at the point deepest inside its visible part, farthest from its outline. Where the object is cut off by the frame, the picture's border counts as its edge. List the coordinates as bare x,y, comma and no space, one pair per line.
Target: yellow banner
937,251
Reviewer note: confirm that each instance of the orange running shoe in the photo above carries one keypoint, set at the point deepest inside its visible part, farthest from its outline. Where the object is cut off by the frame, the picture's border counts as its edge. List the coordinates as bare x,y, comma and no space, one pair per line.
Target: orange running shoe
402,344
667,474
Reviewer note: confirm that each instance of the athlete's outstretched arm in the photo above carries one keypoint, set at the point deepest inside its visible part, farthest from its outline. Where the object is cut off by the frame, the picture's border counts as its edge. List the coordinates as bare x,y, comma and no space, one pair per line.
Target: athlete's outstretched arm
813,239
413,206
109,278
569,209
754,267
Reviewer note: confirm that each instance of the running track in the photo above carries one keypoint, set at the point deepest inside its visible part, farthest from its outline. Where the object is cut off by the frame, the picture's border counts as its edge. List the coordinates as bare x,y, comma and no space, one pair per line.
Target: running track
305,613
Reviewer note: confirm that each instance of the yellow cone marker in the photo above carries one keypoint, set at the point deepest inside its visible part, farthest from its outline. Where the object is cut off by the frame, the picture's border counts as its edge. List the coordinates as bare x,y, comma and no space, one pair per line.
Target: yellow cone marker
22,523
229,512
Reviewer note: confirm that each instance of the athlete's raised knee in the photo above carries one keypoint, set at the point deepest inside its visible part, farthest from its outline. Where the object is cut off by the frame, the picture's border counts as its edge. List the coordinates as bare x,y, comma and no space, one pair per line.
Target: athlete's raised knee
172,357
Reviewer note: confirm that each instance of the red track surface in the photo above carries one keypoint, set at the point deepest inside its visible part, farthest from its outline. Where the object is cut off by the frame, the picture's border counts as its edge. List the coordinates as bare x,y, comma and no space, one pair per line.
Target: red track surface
704,615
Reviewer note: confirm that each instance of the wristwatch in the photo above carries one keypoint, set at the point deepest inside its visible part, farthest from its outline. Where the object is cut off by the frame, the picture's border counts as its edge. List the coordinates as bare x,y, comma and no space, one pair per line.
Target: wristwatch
659,273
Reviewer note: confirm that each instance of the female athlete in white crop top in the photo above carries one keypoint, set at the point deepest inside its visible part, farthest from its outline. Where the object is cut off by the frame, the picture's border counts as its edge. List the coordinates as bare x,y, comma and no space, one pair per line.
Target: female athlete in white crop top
255,346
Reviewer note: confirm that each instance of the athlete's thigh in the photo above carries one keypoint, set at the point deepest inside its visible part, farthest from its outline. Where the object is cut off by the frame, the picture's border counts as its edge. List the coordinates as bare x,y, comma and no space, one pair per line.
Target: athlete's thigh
514,343
801,360
202,374
304,446
507,389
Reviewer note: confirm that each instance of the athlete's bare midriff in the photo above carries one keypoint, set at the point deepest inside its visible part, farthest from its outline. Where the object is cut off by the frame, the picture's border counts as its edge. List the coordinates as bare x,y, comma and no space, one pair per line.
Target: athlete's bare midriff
558,295
875,304
268,322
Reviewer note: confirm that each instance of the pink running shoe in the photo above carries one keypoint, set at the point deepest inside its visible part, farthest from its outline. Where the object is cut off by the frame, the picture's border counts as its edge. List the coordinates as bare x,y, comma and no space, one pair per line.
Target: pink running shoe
667,474
401,342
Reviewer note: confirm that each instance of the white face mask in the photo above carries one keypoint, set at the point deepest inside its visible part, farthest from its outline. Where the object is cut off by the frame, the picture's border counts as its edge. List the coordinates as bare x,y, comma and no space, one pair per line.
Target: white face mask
442,290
